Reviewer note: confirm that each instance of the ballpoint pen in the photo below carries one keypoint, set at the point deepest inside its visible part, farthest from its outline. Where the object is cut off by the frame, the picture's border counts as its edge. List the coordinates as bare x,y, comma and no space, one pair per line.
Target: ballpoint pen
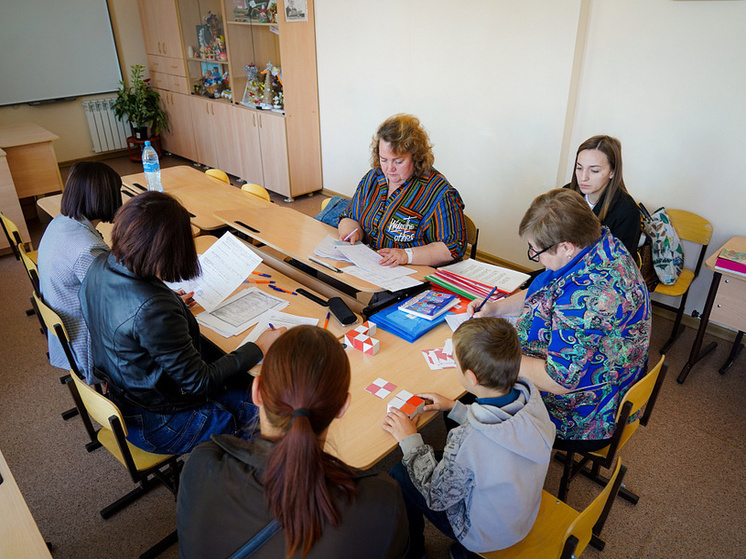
281,290
326,322
479,307
324,264
260,274
271,327
259,281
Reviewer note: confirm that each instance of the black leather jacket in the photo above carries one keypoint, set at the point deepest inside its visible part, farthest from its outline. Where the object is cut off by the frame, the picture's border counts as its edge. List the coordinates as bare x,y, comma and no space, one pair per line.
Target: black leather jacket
145,342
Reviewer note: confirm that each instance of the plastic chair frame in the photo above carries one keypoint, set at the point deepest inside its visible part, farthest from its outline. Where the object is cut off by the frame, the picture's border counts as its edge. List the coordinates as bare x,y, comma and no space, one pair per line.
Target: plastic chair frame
57,328
472,236
13,236
604,457
691,234
256,190
165,472
218,174
562,532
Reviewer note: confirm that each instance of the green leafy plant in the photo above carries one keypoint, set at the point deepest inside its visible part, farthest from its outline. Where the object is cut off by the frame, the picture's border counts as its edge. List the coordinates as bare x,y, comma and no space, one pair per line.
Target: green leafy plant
138,103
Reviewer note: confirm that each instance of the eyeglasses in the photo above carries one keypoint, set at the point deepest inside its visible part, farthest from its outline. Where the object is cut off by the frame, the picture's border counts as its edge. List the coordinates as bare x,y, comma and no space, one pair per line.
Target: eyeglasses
533,254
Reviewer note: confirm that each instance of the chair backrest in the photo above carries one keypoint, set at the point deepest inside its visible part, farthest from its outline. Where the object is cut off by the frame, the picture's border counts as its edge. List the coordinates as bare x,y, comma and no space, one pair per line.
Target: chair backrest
54,324
218,174
257,190
324,202
31,270
12,234
99,407
582,527
693,228
643,393
472,235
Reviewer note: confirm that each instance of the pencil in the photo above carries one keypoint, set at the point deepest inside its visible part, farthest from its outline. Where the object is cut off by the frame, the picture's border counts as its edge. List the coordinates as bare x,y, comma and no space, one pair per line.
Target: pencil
326,322
491,293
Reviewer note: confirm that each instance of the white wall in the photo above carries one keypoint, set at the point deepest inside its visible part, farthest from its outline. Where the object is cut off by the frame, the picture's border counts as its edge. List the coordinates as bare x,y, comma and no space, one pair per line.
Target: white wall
490,81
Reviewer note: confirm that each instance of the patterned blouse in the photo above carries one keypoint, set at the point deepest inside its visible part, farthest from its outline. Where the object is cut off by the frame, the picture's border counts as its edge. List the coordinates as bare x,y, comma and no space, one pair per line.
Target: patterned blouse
590,320
423,210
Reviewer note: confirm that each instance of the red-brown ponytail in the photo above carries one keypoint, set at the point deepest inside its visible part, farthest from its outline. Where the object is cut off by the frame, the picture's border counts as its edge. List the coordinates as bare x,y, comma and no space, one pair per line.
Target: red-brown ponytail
304,383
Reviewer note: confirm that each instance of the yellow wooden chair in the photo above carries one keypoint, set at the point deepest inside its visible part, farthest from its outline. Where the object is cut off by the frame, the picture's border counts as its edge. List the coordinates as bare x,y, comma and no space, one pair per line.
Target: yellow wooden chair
643,393
561,532
147,470
218,174
54,324
257,190
325,202
472,237
695,229
13,235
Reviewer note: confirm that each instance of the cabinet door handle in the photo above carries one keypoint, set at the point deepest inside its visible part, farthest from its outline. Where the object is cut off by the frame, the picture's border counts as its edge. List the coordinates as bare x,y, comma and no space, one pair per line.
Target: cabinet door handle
253,119
260,121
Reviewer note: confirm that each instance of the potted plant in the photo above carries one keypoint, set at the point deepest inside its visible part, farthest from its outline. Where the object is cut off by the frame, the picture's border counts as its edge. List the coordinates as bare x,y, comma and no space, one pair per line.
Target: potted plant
138,104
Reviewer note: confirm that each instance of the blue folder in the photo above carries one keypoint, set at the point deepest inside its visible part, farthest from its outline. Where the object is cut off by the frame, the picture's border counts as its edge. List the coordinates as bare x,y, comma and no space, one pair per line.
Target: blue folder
404,325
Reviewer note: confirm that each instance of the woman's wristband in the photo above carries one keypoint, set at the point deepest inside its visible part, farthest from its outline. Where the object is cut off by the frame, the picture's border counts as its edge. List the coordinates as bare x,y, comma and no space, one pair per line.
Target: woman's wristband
410,253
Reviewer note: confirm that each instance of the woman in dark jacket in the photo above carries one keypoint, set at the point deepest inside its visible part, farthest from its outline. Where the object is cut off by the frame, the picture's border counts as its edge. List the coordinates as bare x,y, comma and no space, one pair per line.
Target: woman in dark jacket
146,342
598,178
312,504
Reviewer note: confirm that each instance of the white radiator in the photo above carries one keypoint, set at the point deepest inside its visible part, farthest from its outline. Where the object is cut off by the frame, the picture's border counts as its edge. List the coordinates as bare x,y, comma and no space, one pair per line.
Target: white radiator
107,132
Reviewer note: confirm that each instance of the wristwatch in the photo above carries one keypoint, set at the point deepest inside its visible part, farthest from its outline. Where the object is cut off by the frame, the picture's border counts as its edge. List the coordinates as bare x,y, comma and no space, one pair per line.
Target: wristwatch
409,255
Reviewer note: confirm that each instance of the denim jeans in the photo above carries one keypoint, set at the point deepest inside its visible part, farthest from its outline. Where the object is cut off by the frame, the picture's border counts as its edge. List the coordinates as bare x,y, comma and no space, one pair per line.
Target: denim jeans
180,432
417,510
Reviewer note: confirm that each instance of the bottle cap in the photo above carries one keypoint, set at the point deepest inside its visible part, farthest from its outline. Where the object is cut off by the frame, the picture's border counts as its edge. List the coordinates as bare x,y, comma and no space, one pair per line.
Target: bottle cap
147,143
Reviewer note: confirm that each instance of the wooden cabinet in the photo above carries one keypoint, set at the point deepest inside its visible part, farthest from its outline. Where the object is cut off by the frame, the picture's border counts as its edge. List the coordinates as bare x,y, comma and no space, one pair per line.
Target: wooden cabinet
180,136
280,151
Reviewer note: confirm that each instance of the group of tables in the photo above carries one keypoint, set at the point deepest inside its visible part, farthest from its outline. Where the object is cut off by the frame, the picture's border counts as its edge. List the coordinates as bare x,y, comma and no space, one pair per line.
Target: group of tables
283,237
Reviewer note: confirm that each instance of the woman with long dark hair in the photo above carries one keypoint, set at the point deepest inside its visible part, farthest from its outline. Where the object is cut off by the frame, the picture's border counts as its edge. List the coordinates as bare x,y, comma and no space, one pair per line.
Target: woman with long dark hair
312,504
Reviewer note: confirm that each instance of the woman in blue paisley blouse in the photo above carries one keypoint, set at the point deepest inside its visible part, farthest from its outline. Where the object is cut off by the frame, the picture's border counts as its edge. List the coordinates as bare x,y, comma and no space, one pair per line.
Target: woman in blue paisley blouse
584,323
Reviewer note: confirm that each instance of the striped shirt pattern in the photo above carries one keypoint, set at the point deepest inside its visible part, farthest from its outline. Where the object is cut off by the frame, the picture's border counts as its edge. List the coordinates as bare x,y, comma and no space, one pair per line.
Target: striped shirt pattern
424,210
66,250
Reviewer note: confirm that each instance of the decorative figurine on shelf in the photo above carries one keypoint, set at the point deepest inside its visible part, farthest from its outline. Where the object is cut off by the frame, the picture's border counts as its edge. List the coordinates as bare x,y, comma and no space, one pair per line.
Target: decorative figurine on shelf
222,53
270,71
253,92
279,103
241,10
272,12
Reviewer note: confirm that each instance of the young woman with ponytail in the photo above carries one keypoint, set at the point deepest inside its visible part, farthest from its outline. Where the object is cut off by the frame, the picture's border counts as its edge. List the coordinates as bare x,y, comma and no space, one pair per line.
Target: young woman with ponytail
311,504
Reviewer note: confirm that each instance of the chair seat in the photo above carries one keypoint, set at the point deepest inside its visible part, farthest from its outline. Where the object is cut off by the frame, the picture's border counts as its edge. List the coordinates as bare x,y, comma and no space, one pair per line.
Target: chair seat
144,460
548,531
680,287
33,256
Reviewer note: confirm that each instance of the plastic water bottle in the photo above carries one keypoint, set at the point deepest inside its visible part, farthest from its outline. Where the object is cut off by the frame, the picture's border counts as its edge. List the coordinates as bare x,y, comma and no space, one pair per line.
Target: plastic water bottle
152,168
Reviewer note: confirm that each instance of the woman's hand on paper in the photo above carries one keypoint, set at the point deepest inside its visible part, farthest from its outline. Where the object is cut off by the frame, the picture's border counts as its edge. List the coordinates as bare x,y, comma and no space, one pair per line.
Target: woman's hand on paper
268,337
393,257
187,298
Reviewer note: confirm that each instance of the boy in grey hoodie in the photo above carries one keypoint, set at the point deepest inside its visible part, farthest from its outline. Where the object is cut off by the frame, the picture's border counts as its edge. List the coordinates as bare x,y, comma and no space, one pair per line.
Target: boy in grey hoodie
485,491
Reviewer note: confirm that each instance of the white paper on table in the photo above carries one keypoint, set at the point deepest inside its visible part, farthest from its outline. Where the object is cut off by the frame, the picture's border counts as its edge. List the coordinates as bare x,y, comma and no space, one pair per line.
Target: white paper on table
456,320
328,248
388,283
438,359
448,346
365,257
278,320
241,311
488,274
224,267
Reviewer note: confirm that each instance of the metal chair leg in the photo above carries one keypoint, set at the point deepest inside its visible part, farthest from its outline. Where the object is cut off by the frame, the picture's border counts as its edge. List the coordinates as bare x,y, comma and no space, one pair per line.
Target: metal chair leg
161,546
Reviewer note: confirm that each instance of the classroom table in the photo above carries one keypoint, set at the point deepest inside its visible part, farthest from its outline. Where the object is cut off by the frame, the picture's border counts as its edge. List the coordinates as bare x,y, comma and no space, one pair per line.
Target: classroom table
201,194
725,304
51,206
31,159
19,534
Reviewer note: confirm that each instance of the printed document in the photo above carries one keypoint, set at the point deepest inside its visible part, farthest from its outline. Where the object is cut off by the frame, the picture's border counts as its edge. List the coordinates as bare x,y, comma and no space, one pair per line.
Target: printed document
278,320
240,311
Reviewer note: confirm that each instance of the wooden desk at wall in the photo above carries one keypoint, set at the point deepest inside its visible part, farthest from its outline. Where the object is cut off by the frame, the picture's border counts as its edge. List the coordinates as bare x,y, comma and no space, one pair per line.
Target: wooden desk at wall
725,304
19,535
201,194
31,159
9,204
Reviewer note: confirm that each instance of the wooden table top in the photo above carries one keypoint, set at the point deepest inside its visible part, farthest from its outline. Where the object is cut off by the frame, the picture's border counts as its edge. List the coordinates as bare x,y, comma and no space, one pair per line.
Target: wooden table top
297,235
201,194
357,438
24,134
734,243
19,535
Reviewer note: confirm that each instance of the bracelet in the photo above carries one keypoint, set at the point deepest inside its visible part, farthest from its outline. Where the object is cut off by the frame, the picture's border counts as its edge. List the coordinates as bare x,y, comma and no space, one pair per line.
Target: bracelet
409,255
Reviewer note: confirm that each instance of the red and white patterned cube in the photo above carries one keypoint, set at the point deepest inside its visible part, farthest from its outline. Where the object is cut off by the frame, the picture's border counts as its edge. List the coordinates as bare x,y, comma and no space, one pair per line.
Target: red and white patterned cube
362,342
407,403
367,328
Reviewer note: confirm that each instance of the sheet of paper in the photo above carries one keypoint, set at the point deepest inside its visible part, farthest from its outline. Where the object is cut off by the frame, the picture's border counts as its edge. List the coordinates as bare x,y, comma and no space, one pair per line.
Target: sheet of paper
241,311
388,283
224,267
438,359
278,320
328,249
456,320
488,274
365,257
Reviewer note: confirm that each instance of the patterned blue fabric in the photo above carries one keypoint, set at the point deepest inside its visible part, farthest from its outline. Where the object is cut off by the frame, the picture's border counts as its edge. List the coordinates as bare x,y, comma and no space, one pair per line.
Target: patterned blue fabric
591,322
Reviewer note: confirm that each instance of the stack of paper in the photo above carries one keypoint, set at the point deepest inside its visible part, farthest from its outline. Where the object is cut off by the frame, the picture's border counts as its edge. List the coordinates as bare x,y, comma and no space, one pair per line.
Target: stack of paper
240,312
473,279
278,320
367,268
329,248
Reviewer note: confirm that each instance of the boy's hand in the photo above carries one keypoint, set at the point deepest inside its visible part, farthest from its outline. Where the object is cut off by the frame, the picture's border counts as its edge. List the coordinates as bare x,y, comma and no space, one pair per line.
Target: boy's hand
436,402
399,425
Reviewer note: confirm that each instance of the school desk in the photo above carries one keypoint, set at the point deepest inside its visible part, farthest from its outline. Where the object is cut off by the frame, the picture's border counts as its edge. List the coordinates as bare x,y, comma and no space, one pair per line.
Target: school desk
725,304
201,194
31,158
